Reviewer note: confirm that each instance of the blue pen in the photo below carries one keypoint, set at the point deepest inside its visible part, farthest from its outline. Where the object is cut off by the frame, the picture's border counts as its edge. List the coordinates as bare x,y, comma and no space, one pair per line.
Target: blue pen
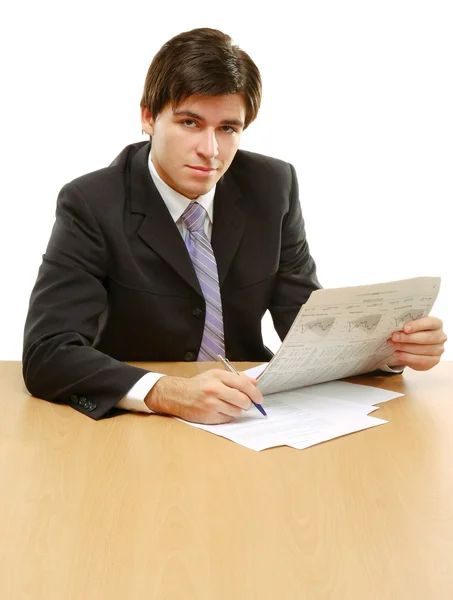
230,367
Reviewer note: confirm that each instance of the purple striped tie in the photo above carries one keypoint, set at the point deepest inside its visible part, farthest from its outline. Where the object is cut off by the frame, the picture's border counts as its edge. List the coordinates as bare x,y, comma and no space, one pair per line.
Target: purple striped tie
203,259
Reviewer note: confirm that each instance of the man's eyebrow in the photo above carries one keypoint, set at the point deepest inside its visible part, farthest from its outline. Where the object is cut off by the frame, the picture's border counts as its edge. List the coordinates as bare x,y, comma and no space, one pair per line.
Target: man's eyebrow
188,113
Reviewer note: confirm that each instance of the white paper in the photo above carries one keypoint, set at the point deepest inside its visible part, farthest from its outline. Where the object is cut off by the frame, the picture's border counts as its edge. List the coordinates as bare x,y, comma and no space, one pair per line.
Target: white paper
342,390
304,419
255,372
352,426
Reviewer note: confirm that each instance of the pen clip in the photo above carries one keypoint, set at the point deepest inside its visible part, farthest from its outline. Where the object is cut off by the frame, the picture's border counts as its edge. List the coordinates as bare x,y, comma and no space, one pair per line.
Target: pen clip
227,362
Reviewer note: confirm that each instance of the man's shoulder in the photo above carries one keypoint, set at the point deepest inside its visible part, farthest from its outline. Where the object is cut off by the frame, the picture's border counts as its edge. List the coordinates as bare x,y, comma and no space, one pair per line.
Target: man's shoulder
111,174
253,162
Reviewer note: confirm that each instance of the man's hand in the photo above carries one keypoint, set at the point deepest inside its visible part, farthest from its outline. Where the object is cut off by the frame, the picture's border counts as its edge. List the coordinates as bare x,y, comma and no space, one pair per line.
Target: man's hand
419,346
215,396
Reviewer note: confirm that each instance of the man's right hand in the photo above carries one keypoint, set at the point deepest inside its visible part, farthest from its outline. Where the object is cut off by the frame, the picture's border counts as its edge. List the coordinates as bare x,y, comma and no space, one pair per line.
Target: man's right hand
213,397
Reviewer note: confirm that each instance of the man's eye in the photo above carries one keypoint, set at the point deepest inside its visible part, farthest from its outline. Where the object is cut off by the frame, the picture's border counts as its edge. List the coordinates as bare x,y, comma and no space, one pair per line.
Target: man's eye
228,129
189,123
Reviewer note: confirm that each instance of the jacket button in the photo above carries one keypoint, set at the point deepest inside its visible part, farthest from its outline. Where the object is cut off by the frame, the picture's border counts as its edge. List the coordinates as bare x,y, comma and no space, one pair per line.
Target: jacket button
189,356
82,401
197,312
90,406
74,399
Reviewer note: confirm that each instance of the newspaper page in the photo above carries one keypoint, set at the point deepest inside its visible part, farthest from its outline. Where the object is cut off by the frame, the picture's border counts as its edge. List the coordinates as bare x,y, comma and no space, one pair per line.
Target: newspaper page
343,332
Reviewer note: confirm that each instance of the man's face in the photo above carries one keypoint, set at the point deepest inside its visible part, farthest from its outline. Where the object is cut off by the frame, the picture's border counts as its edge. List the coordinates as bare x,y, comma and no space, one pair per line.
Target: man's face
194,143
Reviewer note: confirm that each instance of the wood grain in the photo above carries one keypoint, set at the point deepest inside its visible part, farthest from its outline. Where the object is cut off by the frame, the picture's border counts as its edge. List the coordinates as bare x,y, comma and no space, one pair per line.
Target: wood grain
146,507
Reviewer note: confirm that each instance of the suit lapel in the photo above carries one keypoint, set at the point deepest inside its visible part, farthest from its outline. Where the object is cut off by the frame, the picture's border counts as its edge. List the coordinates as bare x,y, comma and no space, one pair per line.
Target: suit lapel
158,229
229,222
160,233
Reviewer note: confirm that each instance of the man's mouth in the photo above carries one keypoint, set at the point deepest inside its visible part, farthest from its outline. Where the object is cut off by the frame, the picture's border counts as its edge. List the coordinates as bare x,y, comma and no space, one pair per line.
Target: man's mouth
205,169
202,171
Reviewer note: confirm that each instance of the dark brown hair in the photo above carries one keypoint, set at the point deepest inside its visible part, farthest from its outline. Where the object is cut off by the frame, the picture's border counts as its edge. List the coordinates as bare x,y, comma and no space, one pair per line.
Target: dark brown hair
205,62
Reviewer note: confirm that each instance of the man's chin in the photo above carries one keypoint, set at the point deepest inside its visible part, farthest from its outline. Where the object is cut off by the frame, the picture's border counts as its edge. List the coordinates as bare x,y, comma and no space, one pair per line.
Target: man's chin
194,191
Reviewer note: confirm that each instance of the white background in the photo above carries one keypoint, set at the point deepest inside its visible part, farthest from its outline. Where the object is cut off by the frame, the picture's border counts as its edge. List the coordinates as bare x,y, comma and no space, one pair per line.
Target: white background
358,95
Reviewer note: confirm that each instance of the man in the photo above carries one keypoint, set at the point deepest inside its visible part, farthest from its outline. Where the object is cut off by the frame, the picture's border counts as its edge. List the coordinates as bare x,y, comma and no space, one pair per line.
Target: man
175,252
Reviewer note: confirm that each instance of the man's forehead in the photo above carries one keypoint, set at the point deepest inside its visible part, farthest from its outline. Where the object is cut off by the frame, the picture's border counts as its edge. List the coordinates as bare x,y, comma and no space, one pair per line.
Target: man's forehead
231,106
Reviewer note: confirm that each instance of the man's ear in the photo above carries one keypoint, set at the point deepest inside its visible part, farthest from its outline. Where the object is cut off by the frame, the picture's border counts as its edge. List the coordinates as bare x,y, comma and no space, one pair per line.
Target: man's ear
147,121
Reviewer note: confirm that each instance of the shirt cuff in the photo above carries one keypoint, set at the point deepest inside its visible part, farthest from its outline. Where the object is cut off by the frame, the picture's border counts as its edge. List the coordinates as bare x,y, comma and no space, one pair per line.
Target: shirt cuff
135,398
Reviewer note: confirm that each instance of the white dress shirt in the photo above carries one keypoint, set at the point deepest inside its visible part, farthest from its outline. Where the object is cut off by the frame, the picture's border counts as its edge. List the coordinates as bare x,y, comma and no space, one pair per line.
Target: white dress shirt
176,204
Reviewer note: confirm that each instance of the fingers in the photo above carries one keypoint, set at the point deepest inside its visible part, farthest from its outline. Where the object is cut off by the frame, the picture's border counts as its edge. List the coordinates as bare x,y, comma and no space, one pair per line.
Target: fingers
230,410
420,349
238,390
218,396
423,324
422,337
436,336
213,418
418,362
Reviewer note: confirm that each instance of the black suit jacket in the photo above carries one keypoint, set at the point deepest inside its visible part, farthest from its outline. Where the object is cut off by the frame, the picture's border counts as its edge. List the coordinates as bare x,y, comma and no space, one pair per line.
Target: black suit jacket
116,282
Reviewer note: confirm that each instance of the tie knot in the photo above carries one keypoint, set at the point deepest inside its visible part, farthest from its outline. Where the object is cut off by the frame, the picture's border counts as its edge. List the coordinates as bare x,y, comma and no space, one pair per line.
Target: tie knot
194,217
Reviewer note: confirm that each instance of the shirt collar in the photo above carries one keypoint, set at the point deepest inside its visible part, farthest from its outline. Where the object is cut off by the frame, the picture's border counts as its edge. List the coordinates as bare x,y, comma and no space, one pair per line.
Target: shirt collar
176,202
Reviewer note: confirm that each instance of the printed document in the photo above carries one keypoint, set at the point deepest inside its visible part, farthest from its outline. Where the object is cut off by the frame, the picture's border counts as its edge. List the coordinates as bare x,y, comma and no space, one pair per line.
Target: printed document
343,332
303,418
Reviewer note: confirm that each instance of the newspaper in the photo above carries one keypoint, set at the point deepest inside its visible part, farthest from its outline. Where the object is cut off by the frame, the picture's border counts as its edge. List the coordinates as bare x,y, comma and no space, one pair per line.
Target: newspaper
343,332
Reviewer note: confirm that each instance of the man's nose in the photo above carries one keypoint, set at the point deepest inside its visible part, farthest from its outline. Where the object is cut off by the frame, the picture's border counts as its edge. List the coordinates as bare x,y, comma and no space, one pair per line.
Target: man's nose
208,145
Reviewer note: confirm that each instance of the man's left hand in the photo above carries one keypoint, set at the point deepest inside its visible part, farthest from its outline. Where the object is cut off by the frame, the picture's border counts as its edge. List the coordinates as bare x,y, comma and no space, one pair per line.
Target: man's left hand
420,345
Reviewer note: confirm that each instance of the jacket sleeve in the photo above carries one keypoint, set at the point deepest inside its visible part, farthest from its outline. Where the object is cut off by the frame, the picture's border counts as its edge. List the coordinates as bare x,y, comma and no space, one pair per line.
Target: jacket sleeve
296,276
68,299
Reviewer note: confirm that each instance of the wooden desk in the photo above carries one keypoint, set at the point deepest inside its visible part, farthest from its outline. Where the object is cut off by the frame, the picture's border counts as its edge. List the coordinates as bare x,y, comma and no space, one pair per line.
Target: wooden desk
145,507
